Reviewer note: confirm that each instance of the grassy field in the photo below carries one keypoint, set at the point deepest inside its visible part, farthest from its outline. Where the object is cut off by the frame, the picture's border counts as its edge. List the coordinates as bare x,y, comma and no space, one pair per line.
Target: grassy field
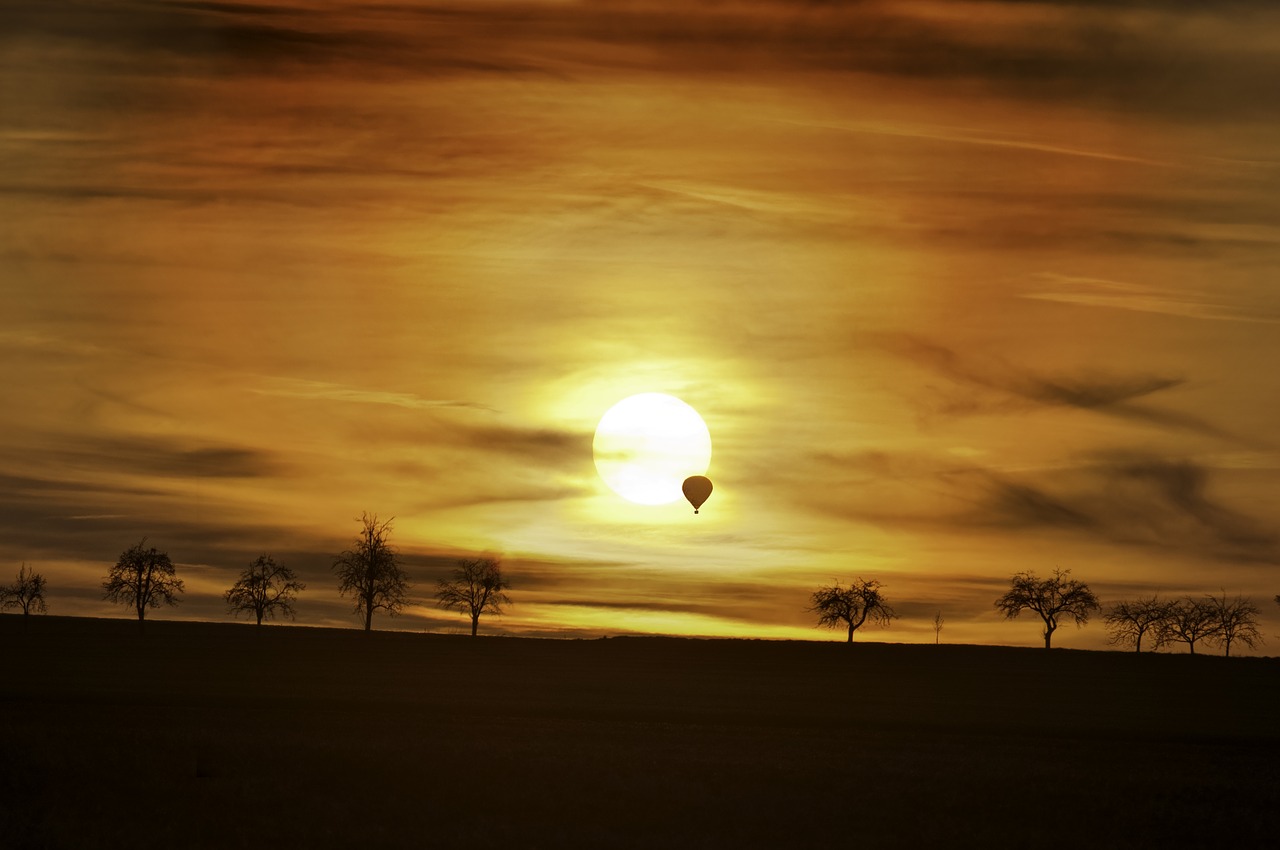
226,735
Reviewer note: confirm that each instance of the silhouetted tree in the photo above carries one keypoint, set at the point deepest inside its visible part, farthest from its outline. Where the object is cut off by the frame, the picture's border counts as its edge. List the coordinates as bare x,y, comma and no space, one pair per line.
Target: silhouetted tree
1052,598
937,628
27,593
143,578
1189,621
477,587
1235,620
369,572
851,606
263,589
1129,622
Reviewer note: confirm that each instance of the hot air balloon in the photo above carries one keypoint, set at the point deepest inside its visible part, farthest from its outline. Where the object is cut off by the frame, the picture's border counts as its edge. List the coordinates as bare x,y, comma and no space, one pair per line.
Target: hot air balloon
696,489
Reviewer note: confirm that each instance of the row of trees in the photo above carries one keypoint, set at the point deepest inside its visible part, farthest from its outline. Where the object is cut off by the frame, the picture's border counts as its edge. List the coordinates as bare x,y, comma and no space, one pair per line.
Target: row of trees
369,572
144,578
1058,598
1216,620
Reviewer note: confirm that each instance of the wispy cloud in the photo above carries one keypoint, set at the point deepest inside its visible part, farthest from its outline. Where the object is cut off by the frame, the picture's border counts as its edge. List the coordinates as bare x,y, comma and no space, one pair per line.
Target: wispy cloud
1134,499
1063,51
165,457
324,391
267,265
1128,498
1013,388
974,136
1119,295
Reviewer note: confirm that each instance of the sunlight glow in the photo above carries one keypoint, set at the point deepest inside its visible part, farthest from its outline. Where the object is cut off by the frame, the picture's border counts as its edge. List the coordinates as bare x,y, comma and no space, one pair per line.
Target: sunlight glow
647,444
605,621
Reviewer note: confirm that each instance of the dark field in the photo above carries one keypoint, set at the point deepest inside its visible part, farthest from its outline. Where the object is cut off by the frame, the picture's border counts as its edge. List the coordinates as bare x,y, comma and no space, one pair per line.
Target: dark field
211,735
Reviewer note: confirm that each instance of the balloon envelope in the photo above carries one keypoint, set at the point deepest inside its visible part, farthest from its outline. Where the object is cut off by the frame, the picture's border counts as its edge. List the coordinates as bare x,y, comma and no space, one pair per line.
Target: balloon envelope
696,489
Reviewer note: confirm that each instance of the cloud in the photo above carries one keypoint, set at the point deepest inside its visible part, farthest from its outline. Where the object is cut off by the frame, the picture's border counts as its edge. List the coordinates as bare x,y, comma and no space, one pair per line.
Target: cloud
222,38
1170,59
484,438
325,391
87,496
1128,498
1013,389
489,458
546,445
1091,392
626,587
256,151
505,203
163,456
972,137
1131,499
1117,295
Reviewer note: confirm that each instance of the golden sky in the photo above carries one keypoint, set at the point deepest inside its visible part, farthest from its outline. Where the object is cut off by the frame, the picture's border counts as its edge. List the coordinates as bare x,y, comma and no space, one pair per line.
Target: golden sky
960,289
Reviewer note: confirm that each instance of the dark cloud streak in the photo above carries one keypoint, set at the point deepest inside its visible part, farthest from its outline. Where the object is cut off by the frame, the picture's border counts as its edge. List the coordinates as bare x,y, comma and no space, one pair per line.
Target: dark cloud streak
1062,51
166,457
1128,498
1018,389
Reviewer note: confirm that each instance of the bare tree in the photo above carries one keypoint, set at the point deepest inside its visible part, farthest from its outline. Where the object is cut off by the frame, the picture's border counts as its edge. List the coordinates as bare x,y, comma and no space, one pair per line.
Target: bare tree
1236,620
1052,598
851,606
369,572
1189,621
263,589
27,593
477,587
143,578
1129,622
937,628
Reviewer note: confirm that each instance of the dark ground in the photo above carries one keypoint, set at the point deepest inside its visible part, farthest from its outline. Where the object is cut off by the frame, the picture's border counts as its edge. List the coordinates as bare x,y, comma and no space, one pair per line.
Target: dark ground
225,735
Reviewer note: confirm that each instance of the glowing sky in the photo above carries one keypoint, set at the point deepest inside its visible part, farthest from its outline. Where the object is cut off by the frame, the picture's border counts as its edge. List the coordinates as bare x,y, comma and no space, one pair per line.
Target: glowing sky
960,289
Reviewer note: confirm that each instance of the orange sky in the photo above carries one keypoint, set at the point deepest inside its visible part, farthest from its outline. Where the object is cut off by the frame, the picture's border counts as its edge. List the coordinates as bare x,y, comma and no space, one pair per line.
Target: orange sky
960,289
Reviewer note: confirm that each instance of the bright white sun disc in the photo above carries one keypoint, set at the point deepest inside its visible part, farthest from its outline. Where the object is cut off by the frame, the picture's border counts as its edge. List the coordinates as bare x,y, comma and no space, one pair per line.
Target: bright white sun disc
648,444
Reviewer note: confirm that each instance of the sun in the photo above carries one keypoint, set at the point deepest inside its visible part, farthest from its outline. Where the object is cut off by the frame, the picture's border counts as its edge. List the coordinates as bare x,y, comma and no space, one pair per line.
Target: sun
647,444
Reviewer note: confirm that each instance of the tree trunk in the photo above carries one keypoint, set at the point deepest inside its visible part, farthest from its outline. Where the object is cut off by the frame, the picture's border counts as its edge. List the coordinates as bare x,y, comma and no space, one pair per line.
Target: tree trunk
475,623
259,613
1048,638
368,616
850,640
1192,644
